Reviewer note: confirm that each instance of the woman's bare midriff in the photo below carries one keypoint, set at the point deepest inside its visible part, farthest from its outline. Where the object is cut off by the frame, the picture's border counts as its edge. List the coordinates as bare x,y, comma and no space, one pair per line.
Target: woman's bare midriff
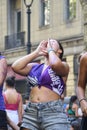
42,94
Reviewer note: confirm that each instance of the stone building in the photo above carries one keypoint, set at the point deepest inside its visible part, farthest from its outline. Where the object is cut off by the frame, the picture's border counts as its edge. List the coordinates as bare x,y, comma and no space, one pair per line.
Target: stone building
59,19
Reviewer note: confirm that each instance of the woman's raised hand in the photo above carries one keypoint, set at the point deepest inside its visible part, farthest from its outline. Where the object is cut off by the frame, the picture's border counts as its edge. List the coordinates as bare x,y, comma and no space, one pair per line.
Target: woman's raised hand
42,48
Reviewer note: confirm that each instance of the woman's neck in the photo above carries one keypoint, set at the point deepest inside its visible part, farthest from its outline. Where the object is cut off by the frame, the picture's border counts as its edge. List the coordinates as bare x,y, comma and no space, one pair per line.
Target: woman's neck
46,61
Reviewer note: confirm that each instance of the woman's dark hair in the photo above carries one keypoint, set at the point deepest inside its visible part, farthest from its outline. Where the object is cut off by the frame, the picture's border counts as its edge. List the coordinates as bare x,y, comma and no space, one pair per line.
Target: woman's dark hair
72,99
61,47
10,81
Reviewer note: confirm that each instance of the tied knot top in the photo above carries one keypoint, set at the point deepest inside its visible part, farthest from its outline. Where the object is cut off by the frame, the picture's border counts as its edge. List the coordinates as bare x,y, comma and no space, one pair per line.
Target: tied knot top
47,78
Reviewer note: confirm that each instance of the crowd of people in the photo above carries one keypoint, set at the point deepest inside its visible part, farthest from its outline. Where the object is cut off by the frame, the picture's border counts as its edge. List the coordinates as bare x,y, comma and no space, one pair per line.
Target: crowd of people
44,106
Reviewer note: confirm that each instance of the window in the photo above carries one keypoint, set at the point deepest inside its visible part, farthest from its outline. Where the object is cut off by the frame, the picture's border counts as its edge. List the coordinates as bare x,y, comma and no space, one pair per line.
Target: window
71,9
45,12
18,21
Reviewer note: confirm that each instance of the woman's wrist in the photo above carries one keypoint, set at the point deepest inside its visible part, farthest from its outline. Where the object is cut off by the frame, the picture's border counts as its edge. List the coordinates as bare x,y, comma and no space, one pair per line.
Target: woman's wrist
50,49
82,99
37,53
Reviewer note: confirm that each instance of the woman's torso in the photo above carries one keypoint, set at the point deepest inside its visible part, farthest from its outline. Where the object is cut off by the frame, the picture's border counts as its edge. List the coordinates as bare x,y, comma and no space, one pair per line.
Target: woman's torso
42,95
42,91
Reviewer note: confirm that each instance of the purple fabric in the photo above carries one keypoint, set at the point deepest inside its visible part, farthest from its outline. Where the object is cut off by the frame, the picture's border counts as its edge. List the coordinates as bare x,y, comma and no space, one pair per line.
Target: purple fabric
47,79
2,105
2,57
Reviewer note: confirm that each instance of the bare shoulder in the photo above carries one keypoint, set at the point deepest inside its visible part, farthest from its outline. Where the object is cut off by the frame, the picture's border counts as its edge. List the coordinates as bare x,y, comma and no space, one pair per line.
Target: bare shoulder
84,56
83,60
66,66
75,105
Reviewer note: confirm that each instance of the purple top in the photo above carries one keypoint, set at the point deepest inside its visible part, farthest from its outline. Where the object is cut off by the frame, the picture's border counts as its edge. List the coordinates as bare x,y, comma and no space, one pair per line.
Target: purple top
2,105
47,78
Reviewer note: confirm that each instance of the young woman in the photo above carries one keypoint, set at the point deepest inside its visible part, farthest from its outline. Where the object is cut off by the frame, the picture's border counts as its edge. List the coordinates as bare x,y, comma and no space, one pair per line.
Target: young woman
13,100
81,88
3,73
44,110
72,112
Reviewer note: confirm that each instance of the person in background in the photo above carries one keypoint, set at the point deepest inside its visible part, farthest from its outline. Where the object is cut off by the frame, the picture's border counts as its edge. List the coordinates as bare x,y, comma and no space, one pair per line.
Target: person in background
81,88
3,73
13,101
44,110
72,112
4,119
26,100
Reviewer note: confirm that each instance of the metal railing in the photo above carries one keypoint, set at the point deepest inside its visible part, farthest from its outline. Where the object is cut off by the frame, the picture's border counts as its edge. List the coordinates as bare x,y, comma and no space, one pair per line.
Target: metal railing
15,40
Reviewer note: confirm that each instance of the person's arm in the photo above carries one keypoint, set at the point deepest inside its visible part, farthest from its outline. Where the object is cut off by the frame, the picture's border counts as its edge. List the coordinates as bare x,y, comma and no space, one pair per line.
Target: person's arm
82,80
20,109
66,109
76,111
61,68
3,70
23,65
12,124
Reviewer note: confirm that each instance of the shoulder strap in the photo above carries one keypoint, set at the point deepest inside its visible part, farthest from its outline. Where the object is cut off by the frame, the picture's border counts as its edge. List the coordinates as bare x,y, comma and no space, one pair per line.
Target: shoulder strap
5,98
18,100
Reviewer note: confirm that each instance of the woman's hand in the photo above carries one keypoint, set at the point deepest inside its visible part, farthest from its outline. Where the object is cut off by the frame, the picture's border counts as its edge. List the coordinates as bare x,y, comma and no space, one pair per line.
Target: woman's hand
84,107
42,48
49,46
52,45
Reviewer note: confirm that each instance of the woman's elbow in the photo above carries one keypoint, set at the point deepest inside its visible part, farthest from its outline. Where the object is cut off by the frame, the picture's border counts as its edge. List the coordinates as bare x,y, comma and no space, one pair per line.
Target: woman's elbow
14,67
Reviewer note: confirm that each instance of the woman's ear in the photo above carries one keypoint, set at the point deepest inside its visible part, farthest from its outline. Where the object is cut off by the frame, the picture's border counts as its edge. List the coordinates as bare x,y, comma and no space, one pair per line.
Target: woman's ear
59,51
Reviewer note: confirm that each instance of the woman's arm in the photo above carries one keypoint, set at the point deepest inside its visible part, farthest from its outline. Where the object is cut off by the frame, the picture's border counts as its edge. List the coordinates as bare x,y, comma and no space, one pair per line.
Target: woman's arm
54,52
76,110
23,65
20,109
12,124
66,109
3,70
82,80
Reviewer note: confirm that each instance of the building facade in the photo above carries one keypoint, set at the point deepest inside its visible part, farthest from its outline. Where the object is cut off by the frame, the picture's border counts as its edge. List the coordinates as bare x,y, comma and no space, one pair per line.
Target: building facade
59,19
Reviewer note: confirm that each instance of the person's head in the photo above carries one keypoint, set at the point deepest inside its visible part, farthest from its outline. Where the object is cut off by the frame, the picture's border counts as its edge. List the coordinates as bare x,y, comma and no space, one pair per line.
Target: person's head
56,45
73,99
10,81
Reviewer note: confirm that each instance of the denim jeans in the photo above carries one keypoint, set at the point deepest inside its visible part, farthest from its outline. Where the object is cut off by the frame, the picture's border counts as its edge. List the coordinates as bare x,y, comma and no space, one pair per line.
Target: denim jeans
45,116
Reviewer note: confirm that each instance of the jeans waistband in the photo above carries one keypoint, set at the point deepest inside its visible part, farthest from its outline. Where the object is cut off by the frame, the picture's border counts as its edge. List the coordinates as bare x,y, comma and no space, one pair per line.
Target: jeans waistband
45,104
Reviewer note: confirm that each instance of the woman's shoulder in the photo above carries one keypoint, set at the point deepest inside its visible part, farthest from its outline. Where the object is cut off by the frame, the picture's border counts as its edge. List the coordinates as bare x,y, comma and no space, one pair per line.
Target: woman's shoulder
75,105
84,57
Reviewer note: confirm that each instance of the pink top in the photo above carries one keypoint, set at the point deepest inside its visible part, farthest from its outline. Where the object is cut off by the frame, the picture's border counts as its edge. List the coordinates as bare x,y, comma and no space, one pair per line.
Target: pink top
11,106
